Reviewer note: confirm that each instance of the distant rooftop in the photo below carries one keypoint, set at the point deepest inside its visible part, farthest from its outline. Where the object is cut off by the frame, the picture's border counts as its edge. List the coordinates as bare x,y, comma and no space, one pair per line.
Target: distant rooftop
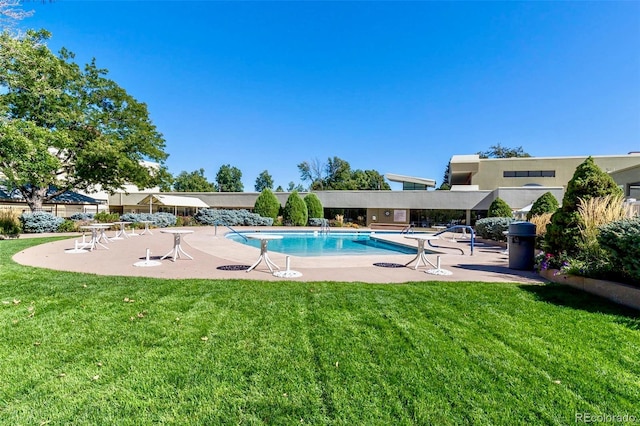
410,179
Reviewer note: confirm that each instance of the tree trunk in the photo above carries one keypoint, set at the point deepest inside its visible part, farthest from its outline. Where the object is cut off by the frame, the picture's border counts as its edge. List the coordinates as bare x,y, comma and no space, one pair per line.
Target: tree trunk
34,197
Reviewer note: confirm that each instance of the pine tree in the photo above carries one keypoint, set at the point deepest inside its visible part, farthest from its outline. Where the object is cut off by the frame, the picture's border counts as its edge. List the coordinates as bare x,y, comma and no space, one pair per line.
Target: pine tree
588,181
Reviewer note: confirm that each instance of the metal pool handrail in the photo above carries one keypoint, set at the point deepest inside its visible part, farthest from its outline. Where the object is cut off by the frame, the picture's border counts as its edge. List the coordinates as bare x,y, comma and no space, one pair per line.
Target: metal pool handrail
452,228
233,230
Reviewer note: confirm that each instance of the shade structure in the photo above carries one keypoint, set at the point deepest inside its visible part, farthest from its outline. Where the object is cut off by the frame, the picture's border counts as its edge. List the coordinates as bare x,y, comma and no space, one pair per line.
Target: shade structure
174,201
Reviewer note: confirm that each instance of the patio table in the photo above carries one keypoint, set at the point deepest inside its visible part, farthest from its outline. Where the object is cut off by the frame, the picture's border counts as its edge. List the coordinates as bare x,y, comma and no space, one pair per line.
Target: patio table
177,250
264,253
421,257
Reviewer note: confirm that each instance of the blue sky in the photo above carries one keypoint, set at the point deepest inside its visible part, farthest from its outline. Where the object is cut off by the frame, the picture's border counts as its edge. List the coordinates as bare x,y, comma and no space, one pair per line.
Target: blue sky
398,87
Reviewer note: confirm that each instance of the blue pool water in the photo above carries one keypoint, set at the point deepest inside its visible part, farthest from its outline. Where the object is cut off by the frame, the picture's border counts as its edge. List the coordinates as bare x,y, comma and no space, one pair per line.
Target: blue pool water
331,244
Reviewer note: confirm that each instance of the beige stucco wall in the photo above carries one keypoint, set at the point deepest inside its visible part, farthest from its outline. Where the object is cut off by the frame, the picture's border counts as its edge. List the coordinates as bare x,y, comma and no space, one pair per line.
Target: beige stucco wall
490,171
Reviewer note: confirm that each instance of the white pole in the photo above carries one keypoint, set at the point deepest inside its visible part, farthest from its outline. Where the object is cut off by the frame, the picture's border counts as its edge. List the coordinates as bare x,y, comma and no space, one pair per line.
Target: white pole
148,253
288,262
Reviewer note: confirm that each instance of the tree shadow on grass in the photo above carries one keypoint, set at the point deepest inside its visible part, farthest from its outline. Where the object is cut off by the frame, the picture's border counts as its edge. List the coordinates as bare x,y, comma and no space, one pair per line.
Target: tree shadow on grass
574,298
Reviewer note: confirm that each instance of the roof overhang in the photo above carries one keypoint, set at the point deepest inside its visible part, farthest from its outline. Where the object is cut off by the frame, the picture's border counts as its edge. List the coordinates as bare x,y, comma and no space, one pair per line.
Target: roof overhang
173,201
410,179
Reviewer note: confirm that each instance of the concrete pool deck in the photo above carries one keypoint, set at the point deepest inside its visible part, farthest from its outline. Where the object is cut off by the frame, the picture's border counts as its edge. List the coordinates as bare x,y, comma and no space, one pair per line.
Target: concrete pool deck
210,251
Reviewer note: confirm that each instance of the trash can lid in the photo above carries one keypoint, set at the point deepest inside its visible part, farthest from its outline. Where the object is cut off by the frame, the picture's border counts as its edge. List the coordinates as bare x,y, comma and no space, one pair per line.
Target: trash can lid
522,229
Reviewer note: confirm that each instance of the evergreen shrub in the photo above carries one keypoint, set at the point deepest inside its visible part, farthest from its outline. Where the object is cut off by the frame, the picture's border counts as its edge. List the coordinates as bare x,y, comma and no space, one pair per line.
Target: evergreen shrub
546,203
40,222
314,206
68,226
104,217
240,217
564,232
82,216
160,219
499,208
267,204
295,210
493,228
621,239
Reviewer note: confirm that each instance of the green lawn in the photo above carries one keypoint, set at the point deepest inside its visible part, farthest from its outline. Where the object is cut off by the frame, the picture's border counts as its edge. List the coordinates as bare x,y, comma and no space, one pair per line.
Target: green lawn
82,349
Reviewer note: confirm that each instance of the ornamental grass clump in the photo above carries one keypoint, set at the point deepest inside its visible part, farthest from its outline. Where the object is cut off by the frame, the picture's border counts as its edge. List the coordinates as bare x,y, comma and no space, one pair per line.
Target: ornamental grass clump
596,212
540,221
9,223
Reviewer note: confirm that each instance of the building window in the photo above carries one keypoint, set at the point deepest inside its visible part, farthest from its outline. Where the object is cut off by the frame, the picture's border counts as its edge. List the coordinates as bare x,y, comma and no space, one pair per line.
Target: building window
409,186
529,173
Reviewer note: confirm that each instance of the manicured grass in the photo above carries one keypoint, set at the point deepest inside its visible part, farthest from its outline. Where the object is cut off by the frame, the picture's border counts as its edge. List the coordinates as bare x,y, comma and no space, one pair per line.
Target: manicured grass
83,349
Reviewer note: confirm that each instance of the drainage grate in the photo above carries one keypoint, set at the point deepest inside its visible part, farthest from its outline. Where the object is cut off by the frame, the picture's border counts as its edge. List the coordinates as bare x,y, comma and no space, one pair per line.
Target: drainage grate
233,267
389,265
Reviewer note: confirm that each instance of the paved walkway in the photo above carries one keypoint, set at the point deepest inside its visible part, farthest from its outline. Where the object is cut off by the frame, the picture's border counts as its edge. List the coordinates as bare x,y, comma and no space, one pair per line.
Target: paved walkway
211,252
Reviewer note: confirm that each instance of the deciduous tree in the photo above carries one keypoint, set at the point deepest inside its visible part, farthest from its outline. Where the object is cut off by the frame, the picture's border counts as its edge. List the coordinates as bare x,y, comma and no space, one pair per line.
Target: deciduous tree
193,182
70,129
499,151
336,174
229,179
263,181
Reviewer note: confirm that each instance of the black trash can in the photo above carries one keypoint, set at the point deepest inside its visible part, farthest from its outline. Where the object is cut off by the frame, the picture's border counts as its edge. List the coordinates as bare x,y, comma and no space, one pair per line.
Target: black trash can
522,245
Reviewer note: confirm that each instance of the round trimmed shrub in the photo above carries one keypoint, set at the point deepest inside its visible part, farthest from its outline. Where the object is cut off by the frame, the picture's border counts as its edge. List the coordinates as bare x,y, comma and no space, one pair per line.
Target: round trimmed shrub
314,206
546,203
499,208
295,210
267,204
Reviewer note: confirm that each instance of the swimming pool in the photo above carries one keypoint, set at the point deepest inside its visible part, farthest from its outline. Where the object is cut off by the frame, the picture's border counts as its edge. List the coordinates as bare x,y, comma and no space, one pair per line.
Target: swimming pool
331,244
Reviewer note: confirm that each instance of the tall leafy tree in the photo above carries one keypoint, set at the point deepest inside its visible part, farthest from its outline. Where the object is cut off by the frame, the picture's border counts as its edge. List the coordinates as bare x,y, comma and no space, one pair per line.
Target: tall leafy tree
229,178
369,180
263,181
314,206
69,128
293,187
193,182
336,174
499,151
313,172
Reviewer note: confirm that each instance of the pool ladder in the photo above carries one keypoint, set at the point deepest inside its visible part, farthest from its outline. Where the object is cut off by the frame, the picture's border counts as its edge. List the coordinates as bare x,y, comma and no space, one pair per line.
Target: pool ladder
324,226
